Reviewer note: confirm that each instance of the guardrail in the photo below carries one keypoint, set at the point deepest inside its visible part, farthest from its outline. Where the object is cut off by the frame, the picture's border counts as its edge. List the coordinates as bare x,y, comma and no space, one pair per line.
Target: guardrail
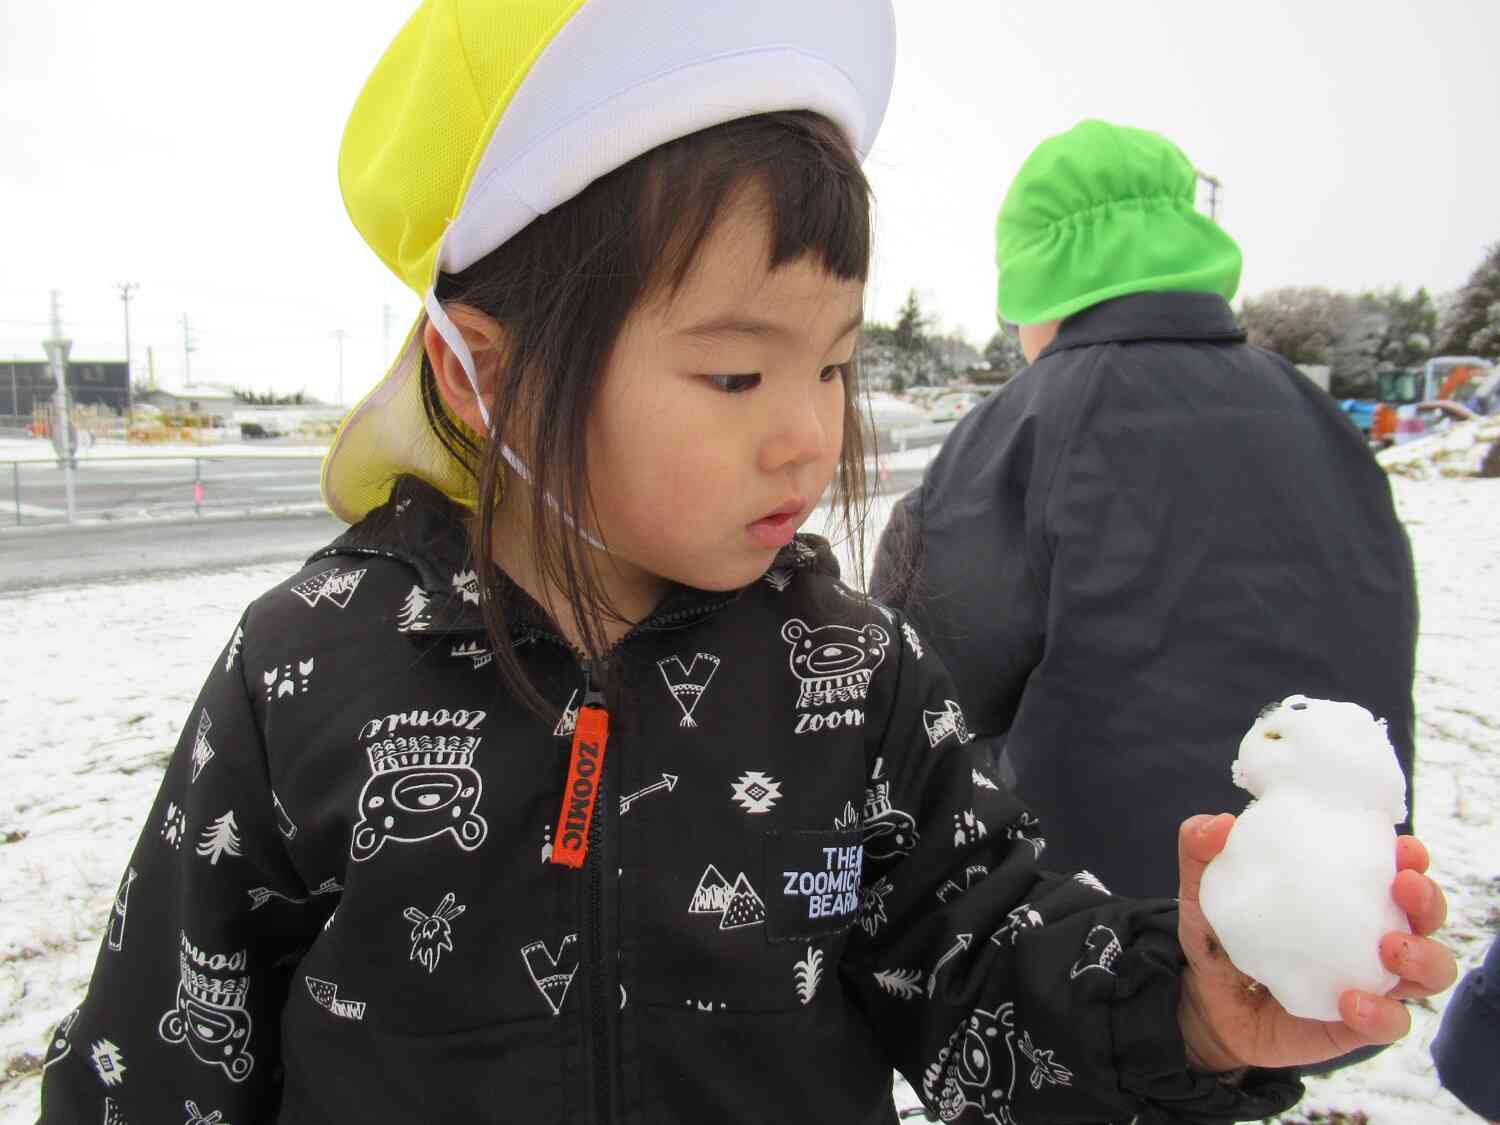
920,432
158,497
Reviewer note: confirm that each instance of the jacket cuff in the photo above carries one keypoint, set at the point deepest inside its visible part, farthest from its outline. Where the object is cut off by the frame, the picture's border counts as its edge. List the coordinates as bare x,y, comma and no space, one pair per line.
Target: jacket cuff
1150,1056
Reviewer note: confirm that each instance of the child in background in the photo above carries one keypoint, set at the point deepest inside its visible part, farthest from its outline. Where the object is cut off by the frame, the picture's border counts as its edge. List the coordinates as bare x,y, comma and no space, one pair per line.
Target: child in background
570,783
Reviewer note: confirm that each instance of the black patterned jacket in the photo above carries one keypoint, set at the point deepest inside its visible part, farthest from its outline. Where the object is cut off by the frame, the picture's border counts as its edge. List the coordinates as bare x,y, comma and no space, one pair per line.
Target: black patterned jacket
343,906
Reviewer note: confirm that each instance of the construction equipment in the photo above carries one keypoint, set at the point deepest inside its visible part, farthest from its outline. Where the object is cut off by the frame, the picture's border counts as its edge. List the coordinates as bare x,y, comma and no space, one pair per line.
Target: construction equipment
1412,402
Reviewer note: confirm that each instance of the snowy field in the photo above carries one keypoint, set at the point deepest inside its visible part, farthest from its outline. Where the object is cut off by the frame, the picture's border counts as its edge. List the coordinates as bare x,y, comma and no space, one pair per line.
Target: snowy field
98,678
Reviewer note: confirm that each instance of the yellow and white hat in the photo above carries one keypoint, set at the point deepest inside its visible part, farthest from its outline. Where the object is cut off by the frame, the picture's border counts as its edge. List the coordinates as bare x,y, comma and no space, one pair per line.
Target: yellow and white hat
484,114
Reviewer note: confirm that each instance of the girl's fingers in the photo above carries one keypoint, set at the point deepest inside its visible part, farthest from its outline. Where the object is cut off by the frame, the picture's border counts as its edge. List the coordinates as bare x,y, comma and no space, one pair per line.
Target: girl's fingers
1425,967
1199,839
1379,1019
1423,901
1411,854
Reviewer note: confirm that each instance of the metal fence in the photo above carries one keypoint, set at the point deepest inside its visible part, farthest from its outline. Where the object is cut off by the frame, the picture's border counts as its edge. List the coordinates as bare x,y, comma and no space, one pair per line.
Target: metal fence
169,484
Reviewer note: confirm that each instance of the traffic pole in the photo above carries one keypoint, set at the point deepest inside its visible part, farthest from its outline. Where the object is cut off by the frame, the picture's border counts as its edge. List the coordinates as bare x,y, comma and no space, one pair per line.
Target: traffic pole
126,288
57,349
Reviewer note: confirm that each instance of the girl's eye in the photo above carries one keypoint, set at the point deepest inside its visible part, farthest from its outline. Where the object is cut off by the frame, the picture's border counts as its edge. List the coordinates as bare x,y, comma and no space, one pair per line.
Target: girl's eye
734,384
837,371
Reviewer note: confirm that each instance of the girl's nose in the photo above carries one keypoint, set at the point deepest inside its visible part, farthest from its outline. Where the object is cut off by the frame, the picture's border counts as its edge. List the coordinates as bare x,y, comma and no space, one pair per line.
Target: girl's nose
798,432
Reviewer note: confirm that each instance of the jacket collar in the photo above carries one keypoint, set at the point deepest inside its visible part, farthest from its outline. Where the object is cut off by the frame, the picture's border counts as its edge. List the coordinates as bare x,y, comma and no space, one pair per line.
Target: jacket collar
1175,315
424,529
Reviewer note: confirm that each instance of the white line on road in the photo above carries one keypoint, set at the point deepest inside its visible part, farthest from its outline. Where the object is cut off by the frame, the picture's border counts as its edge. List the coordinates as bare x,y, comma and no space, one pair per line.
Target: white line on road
35,510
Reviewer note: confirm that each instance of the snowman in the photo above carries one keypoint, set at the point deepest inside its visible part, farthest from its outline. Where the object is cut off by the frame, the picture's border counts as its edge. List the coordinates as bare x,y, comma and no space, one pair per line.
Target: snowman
1301,894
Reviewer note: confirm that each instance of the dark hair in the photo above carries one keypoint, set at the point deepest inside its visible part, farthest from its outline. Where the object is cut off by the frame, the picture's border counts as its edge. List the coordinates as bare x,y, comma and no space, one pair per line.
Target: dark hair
562,290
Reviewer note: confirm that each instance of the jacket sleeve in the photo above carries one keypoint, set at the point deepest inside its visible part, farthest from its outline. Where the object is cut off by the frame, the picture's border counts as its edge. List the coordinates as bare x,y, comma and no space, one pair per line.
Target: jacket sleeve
963,554
1465,1046
183,1008
1001,992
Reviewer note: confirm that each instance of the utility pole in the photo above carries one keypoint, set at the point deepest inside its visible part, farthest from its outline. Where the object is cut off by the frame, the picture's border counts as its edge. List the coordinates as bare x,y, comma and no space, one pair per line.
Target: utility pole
126,288
57,348
1213,193
339,334
188,348
15,399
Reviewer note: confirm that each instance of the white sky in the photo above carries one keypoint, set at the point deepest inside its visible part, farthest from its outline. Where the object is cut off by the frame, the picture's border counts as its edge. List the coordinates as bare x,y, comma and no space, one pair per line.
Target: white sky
191,147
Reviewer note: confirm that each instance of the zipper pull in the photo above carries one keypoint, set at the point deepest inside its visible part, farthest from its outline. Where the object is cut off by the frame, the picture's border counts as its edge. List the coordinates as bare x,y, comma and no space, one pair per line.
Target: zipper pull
592,695
585,768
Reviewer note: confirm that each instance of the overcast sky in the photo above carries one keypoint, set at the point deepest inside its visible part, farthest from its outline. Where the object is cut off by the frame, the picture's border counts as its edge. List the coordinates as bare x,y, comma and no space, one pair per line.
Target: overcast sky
190,147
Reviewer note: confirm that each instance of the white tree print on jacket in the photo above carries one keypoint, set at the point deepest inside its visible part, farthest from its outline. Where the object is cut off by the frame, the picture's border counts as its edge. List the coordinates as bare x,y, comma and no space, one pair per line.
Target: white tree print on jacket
220,838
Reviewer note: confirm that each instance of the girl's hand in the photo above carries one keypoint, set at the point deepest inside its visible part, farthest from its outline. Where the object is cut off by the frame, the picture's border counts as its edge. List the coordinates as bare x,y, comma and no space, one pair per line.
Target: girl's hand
1229,1021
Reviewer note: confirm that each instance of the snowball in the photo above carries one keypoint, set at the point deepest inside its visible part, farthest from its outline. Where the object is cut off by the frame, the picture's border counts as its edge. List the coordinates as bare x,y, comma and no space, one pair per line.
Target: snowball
1301,895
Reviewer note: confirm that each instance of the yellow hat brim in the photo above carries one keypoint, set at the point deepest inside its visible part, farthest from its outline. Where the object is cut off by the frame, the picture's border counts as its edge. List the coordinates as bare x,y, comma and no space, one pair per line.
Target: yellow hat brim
387,436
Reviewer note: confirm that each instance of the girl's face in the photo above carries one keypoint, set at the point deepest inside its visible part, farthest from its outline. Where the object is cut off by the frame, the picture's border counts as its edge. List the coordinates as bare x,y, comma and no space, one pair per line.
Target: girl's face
719,421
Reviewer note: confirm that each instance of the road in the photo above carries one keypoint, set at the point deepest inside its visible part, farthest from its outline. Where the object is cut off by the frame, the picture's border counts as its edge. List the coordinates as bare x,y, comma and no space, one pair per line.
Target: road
87,553
124,488
62,555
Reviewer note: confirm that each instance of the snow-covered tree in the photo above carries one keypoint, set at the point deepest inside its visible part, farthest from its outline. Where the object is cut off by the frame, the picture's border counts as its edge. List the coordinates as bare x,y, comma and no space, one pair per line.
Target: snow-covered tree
1299,323
1357,335
1354,351
1003,354
1471,326
1486,341
954,354
916,354
1385,329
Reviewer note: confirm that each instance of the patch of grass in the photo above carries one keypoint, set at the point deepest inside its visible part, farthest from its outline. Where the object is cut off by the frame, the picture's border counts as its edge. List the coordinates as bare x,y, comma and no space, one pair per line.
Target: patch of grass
45,948
21,1066
1322,1117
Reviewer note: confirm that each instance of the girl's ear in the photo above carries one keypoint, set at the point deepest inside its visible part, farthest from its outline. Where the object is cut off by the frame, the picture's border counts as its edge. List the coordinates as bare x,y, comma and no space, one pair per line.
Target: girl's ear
485,338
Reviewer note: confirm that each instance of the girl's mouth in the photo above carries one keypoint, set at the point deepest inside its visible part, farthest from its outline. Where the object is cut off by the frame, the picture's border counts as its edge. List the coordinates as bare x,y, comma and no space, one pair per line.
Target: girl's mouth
775,530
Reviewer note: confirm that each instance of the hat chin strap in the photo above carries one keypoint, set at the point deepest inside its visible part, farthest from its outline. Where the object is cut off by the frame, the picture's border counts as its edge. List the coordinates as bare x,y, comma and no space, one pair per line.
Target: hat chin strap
460,348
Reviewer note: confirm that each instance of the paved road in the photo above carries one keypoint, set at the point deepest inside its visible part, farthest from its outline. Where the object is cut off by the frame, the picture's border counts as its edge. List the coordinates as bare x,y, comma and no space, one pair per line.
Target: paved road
89,553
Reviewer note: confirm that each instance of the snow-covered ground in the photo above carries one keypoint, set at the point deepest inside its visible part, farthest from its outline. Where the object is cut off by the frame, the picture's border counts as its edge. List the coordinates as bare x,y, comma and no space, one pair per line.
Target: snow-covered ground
98,678
1453,452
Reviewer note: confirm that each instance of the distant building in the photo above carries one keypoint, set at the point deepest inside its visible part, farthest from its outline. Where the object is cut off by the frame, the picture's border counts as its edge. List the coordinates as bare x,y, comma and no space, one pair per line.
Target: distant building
200,400
27,383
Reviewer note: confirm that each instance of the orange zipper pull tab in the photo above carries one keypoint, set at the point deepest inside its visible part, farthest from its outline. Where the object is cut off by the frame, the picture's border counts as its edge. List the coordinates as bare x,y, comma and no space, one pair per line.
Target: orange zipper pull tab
585,768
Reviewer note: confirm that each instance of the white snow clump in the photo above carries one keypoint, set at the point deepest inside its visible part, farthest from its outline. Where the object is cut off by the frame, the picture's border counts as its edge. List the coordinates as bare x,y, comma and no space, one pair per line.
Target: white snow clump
1301,894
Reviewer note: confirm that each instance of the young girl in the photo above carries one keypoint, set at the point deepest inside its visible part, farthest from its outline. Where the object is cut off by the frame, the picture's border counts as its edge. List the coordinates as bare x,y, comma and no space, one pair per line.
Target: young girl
570,784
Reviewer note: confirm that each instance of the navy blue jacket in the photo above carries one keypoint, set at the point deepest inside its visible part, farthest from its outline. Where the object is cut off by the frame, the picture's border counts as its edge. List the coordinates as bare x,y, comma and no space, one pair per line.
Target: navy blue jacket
1144,538
1467,1046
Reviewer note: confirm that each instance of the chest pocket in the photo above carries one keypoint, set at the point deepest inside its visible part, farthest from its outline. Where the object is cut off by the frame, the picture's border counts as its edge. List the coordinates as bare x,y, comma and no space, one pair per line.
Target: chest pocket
759,932
814,883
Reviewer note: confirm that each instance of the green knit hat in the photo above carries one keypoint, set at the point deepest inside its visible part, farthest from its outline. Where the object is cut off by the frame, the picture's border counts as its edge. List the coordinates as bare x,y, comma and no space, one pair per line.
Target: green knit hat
1101,211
